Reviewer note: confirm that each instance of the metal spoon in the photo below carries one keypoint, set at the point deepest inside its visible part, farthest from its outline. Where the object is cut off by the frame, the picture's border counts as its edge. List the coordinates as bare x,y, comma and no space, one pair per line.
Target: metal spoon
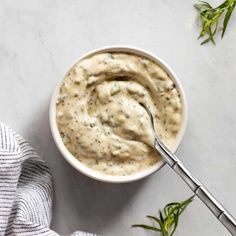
197,187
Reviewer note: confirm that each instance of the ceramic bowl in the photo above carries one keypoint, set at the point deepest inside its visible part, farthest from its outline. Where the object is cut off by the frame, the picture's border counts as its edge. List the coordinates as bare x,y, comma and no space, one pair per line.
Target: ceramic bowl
98,175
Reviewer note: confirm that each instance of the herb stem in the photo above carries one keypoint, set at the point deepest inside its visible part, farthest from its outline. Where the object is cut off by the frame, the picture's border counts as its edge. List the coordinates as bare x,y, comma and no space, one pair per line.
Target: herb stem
210,18
168,218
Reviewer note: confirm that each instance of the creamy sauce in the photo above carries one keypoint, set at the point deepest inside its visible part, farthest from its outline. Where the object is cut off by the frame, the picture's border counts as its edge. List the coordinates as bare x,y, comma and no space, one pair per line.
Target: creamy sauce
99,116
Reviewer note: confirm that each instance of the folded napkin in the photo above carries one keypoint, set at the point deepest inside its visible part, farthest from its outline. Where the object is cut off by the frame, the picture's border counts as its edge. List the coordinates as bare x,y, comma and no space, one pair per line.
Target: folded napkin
25,189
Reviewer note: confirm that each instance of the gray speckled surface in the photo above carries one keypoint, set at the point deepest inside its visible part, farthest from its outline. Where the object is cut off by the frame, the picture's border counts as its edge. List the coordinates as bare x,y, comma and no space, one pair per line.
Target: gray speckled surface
39,41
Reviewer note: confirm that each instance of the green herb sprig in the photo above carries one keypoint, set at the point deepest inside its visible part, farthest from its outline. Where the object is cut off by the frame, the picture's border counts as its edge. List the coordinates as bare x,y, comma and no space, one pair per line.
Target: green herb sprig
168,218
210,18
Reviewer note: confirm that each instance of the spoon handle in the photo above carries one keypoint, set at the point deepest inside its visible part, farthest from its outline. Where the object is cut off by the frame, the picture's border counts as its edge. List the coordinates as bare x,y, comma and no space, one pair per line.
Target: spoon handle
197,187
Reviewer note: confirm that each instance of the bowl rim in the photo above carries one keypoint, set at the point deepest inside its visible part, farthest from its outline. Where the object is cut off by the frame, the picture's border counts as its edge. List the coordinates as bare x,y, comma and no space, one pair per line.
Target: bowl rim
82,168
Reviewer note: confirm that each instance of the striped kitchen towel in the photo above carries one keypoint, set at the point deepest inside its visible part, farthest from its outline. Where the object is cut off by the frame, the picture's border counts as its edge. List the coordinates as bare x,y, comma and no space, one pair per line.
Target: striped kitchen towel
25,189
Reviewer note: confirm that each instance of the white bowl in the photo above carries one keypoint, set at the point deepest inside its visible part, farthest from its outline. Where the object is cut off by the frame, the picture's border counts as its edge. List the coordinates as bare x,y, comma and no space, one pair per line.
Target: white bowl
95,174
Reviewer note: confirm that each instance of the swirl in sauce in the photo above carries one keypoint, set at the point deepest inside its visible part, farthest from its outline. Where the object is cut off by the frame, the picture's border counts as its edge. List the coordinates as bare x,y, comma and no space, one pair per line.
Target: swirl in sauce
99,116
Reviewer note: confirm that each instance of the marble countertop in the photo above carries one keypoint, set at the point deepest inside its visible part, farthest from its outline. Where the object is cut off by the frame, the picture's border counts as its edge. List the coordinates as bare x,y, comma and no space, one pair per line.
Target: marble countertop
39,41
